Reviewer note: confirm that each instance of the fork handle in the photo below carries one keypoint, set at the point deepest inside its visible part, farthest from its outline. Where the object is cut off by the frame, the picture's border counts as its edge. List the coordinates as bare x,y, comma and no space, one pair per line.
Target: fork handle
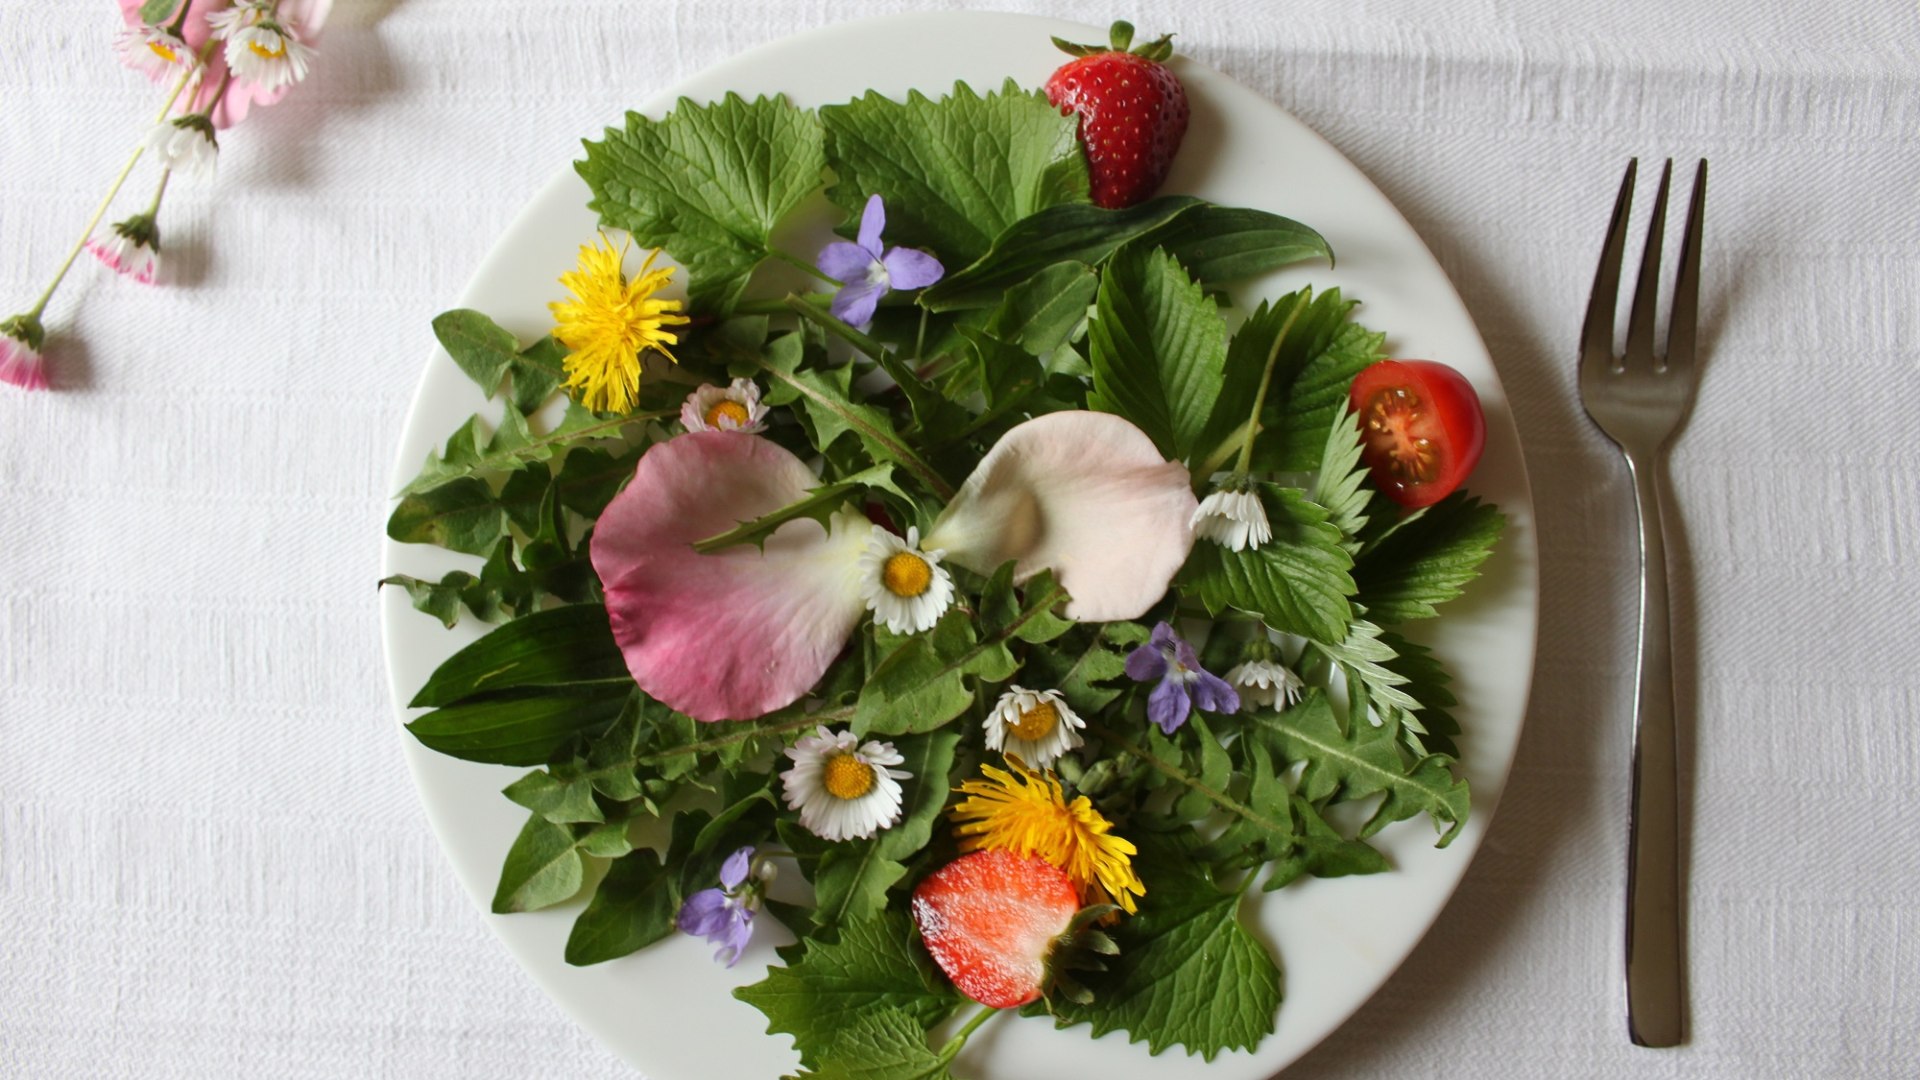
1654,947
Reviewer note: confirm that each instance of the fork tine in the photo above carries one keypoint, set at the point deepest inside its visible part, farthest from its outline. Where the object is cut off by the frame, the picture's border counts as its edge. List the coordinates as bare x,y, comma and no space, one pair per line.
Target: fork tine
1647,294
1686,280
1596,337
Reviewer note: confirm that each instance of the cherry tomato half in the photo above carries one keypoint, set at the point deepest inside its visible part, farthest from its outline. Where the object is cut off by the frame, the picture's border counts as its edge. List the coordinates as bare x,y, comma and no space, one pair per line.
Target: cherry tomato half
1421,428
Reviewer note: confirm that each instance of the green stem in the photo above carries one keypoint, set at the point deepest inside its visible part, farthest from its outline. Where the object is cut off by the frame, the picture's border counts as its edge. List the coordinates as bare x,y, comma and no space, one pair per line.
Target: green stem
834,325
1218,798
920,339
802,264
952,1049
1266,380
153,208
781,306
113,191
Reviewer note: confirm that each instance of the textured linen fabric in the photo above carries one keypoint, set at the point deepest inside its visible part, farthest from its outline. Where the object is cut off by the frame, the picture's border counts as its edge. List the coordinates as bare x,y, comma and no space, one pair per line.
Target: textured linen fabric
213,862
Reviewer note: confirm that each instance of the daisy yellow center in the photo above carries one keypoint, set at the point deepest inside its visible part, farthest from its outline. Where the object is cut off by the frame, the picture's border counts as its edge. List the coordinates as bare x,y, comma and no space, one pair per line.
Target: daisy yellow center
164,51
847,777
727,409
265,52
1036,723
906,574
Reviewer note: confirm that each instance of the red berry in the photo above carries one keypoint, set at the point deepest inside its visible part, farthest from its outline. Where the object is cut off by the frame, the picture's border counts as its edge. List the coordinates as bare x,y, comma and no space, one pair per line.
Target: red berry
1133,114
991,918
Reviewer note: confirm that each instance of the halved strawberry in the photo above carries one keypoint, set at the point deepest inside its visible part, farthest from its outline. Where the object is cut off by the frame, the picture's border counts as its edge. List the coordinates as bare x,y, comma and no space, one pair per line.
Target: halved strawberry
1133,113
991,920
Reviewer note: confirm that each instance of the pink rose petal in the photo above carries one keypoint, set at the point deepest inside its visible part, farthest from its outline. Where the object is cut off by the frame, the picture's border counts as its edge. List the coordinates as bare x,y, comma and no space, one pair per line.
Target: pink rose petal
741,632
1084,494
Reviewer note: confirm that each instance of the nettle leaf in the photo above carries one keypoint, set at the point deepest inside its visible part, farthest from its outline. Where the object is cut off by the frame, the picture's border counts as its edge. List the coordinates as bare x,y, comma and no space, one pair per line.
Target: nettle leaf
543,868
1346,765
885,1044
1297,582
957,171
570,644
1158,349
851,878
1188,973
707,183
488,354
521,727
1429,561
1322,353
827,987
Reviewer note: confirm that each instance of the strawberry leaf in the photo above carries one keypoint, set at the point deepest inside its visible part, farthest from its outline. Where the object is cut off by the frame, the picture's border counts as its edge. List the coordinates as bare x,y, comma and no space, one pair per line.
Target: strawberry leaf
1158,349
1429,561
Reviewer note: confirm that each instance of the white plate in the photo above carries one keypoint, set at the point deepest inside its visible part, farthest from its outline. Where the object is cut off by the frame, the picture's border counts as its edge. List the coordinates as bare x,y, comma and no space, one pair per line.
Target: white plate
667,1009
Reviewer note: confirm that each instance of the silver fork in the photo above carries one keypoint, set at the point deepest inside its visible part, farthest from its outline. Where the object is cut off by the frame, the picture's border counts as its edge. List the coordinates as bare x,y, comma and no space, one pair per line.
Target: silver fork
1640,401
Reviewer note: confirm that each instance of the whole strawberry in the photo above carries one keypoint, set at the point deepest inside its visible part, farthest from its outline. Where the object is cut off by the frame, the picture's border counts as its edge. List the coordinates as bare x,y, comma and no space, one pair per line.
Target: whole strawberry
1133,113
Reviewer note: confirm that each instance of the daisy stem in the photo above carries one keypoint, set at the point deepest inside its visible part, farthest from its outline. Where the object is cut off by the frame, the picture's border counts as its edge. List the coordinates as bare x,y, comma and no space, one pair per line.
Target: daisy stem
1266,380
952,1049
40,305
153,207
796,261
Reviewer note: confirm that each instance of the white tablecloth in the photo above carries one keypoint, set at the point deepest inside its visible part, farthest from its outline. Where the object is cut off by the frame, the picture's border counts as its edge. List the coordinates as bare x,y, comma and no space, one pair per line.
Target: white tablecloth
212,860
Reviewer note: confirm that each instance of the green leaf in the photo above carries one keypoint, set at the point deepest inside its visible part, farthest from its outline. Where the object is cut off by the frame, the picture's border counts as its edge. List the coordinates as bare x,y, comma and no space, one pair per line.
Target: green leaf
851,880
470,452
563,802
1365,761
520,728
1429,561
1072,233
827,397
1339,486
1158,349
1432,728
827,987
955,172
570,644
708,183
440,599
1041,313
488,354
155,12
1229,243
1297,582
1367,659
460,515
819,504
1323,852
634,907
885,1044
1317,362
543,868
1188,973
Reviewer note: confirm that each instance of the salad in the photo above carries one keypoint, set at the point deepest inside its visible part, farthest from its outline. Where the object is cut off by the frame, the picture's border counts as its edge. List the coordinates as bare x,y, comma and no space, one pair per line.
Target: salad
988,567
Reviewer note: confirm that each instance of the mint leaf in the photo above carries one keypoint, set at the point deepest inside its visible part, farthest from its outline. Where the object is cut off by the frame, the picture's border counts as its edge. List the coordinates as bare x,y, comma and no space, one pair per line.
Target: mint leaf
1188,973
521,727
1365,761
1158,348
885,1044
543,868
827,987
955,172
1428,561
1296,582
570,644
707,183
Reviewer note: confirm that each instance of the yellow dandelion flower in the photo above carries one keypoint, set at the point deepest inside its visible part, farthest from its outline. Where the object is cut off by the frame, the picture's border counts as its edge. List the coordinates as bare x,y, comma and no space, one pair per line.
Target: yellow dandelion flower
609,323
1025,812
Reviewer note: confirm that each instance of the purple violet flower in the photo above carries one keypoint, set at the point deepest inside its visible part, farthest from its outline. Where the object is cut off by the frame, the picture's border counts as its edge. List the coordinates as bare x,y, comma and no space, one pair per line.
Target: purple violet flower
866,271
724,916
1184,684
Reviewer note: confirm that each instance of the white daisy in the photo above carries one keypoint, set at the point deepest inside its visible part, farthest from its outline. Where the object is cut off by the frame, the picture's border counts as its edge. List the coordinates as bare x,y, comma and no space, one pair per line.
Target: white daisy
1235,520
128,253
268,55
843,791
725,408
153,52
1036,726
1266,683
906,589
186,145
230,21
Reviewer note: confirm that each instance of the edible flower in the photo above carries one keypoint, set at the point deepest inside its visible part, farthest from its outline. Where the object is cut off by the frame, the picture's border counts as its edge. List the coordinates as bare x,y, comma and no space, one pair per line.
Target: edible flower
842,789
735,407
1025,812
1233,517
724,916
610,322
903,584
257,79
131,249
1266,683
1184,684
1033,725
20,362
155,51
745,630
868,271
186,145
268,54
